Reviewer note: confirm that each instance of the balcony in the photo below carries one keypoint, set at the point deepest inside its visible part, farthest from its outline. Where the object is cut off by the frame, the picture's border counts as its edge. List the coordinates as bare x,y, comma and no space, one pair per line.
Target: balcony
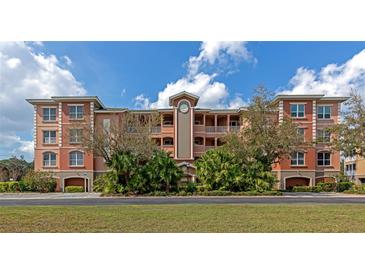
156,130
218,129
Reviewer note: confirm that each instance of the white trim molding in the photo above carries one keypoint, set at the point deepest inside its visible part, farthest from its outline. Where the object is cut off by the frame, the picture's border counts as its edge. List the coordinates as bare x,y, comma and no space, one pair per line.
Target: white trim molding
314,121
60,124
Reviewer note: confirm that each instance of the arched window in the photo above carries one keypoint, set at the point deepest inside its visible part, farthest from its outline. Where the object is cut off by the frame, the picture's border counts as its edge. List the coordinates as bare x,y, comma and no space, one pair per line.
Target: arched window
76,158
49,159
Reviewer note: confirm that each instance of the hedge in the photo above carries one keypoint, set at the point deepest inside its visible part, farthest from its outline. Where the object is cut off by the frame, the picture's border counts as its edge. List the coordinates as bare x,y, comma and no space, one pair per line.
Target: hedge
306,189
9,186
73,189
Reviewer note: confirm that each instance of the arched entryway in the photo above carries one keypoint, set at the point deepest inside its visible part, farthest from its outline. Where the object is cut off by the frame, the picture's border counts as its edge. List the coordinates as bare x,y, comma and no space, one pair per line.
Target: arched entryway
296,181
77,181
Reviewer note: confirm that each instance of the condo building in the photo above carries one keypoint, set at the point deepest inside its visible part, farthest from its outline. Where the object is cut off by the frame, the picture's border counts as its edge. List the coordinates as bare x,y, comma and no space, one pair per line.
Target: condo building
186,131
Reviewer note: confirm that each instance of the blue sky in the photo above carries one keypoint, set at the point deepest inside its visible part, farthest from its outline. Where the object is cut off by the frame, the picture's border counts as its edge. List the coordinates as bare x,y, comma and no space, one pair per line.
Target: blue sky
108,68
145,74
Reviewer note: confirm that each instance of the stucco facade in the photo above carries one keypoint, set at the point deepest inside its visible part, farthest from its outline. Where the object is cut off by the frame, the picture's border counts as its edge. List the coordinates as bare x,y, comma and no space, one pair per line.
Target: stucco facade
185,131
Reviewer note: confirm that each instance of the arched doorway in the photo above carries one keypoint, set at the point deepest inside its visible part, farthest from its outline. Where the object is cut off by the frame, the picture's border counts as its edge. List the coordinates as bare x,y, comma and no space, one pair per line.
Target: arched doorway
296,181
77,181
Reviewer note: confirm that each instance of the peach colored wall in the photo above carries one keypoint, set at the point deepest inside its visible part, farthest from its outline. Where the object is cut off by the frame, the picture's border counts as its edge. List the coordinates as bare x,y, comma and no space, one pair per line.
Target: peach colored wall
65,159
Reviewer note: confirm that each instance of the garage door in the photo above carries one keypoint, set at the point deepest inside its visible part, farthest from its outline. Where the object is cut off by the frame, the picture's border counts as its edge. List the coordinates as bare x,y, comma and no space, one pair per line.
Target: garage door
296,181
74,182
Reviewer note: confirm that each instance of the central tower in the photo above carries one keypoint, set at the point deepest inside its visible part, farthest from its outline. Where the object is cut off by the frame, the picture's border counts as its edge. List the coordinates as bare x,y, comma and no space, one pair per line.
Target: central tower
184,104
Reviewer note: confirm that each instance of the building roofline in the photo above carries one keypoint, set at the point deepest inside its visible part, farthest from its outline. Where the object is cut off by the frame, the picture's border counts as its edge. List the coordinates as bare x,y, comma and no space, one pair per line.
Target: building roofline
79,98
320,96
55,99
183,93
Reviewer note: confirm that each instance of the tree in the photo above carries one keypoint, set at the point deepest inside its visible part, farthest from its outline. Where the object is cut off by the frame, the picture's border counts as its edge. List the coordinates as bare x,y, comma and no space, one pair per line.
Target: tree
349,136
263,138
220,169
14,168
162,172
128,133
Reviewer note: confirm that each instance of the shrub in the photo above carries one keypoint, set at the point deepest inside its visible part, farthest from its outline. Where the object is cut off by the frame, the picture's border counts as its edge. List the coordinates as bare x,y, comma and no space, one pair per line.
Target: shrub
105,183
302,189
73,189
190,187
39,181
307,189
342,186
9,186
328,187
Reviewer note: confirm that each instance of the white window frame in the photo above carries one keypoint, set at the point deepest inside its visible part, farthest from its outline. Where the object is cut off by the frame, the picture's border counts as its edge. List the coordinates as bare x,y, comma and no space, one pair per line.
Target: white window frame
302,135
324,159
49,114
296,159
49,162
77,137
322,137
297,110
77,159
323,113
106,125
76,115
49,140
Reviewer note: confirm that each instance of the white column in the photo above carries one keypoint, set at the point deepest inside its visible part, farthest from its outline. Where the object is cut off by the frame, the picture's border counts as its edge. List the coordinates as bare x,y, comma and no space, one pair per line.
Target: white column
281,111
60,124
338,113
35,126
314,121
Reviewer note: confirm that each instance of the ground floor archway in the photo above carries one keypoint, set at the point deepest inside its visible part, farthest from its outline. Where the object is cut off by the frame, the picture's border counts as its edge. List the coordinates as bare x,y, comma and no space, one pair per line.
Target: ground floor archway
77,181
296,181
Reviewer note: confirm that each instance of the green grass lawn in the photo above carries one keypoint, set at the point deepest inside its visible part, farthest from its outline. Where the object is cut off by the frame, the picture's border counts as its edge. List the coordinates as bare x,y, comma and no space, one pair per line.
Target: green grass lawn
184,218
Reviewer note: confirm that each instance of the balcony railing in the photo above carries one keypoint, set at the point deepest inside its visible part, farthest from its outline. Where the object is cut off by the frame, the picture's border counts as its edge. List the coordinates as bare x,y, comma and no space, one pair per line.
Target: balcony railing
210,129
221,128
156,129
234,128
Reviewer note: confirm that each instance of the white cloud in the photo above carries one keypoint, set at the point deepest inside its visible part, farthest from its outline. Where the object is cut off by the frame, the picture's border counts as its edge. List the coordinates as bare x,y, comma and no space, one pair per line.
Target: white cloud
216,57
225,55
13,63
67,60
24,73
332,80
211,93
142,102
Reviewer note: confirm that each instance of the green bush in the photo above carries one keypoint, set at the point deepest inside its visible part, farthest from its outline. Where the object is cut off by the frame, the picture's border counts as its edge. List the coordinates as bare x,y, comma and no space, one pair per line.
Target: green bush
356,189
328,187
39,181
307,189
190,187
302,189
342,186
11,186
105,181
73,189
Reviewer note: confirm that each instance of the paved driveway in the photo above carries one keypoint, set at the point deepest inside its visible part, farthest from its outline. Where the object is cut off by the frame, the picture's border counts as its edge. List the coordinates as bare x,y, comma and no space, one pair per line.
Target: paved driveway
95,199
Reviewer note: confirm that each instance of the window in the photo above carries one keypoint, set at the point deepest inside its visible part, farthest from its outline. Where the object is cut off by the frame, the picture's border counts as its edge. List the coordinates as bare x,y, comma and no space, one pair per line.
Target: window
297,110
106,125
76,158
75,135
297,159
198,141
301,133
49,137
233,123
323,136
168,141
49,159
76,112
324,159
324,112
49,114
